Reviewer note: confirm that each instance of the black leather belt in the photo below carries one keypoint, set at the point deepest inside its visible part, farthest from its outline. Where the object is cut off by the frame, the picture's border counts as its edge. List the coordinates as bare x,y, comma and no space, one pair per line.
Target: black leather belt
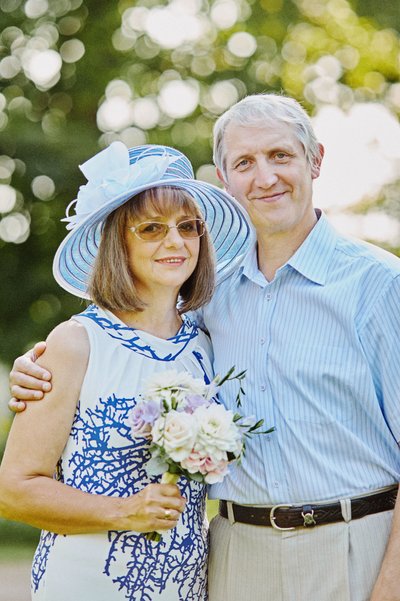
288,517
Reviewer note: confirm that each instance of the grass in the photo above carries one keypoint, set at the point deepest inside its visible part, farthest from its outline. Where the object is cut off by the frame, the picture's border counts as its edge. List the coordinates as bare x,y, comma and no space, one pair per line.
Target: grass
16,538
16,553
212,509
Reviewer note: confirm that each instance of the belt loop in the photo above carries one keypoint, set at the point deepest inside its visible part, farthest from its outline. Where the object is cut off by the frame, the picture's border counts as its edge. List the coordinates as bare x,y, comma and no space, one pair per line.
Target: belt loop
345,505
231,515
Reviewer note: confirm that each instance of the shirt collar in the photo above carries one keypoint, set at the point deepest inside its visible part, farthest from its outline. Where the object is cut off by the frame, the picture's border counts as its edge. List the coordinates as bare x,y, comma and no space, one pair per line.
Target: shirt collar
312,258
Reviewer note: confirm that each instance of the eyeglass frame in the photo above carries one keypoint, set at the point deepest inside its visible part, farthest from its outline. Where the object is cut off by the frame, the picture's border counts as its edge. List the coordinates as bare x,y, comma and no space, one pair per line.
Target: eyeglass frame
167,229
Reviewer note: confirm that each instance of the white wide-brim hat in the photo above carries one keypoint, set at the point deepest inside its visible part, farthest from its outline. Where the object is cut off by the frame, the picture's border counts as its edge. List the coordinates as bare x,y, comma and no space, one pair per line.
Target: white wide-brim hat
115,175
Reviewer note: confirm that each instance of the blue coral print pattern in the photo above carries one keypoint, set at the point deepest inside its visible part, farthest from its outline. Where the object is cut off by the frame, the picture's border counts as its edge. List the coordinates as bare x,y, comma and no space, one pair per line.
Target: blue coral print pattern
130,339
47,540
102,458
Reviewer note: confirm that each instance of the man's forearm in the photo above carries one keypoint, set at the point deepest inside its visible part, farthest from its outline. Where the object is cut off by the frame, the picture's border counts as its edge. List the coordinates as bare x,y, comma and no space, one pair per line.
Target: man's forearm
387,586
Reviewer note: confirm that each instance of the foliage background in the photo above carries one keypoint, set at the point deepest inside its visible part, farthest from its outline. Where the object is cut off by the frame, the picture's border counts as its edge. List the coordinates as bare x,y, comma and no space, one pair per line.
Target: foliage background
77,74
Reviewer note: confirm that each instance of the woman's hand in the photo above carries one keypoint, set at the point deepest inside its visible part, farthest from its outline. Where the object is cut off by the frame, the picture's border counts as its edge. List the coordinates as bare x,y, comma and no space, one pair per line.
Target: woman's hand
28,381
155,507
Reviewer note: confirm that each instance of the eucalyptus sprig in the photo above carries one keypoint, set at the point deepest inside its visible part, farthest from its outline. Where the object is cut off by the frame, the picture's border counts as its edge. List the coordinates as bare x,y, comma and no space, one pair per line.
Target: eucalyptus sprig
230,376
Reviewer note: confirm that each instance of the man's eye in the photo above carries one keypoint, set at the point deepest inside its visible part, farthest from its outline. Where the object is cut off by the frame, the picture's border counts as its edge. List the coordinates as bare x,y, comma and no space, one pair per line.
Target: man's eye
281,155
242,164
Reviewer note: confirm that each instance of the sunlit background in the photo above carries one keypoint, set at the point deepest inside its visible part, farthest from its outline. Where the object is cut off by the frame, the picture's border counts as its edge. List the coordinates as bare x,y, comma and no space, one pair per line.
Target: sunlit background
78,74
75,75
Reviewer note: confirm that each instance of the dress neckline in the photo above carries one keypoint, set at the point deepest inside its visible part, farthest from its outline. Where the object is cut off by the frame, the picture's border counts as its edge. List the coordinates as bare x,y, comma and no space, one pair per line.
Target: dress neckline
141,341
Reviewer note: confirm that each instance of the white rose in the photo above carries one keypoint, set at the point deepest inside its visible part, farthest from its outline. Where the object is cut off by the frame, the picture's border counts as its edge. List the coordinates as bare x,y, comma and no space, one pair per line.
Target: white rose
174,379
176,433
218,433
172,387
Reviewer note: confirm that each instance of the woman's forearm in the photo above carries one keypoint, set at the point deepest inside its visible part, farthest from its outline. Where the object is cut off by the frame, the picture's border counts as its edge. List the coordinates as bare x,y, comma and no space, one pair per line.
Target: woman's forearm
51,505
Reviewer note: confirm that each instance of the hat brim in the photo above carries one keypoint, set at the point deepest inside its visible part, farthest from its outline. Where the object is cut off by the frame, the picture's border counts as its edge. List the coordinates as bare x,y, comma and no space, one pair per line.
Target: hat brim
227,223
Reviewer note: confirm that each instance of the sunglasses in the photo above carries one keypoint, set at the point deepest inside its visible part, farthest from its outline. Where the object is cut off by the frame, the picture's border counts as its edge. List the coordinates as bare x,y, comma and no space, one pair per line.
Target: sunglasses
153,231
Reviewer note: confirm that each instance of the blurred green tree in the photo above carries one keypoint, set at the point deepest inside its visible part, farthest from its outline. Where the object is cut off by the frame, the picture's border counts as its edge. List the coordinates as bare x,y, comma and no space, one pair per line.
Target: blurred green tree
77,74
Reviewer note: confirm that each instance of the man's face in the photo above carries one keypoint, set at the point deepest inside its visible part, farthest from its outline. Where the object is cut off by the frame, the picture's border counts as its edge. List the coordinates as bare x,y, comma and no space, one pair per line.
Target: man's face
268,173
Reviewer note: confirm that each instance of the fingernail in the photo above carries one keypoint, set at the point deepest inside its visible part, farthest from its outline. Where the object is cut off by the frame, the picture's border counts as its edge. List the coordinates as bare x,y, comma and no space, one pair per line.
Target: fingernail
46,387
38,395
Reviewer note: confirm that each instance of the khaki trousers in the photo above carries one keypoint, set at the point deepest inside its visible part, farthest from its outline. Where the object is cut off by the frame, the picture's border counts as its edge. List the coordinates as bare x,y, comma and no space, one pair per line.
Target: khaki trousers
332,562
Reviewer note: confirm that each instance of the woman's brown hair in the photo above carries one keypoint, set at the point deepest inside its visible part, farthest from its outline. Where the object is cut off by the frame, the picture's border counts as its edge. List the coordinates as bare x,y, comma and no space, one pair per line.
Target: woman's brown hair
112,285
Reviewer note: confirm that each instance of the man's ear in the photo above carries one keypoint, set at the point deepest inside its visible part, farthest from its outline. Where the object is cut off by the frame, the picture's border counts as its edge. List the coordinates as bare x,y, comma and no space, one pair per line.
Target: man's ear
316,166
221,178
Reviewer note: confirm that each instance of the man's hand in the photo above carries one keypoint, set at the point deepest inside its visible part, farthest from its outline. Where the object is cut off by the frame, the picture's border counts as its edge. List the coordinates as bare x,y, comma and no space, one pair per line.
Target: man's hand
387,586
28,381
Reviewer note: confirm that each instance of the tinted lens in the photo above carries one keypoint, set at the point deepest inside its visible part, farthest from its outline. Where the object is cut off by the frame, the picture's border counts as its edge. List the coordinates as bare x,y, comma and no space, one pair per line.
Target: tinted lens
154,230
192,228
151,230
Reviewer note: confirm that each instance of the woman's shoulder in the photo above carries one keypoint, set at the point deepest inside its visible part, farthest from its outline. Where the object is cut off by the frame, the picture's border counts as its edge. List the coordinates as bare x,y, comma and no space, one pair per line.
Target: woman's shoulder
69,339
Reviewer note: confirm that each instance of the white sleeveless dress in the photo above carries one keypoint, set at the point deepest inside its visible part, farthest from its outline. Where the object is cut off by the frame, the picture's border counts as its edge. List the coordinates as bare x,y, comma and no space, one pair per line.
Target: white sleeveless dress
101,458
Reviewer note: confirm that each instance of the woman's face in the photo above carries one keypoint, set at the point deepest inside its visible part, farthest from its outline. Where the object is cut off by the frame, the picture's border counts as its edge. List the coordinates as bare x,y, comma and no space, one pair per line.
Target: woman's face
160,264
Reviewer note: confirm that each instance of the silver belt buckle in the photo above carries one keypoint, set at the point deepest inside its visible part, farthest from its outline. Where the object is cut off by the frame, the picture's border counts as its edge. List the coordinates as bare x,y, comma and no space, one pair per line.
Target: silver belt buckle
272,517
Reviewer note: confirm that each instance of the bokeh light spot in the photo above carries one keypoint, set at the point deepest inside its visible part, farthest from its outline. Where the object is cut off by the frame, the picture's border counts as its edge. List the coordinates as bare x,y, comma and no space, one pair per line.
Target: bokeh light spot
8,198
179,99
207,173
36,8
14,228
44,308
69,25
72,51
145,113
224,94
7,167
43,187
9,67
242,44
115,114
42,67
224,13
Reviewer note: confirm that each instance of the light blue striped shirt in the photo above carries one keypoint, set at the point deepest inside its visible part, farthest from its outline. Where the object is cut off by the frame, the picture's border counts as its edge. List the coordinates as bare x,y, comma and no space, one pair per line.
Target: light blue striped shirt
321,347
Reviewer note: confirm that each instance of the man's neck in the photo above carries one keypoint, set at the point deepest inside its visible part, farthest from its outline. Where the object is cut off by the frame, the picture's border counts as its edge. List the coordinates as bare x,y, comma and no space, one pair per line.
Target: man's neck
273,251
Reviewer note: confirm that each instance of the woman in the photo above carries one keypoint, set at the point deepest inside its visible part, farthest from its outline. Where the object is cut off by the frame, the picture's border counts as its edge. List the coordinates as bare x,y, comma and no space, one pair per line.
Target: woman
138,242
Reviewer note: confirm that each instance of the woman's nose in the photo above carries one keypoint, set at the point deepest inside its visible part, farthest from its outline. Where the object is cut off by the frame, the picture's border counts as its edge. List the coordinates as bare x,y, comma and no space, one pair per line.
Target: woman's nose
173,238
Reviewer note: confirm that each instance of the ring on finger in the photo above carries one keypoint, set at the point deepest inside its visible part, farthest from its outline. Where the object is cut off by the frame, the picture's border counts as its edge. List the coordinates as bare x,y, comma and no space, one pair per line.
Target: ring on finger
167,514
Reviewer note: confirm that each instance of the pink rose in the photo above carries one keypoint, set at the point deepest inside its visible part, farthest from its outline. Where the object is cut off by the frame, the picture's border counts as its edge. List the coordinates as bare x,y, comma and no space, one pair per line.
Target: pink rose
216,470
195,462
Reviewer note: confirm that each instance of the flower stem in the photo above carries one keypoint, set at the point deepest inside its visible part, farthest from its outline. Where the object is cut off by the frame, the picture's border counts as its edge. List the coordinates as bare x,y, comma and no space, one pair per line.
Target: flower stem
166,478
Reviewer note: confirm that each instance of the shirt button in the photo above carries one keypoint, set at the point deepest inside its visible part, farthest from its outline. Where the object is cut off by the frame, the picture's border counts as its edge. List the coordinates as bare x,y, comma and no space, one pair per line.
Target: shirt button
262,340
263,387
268,296
276,484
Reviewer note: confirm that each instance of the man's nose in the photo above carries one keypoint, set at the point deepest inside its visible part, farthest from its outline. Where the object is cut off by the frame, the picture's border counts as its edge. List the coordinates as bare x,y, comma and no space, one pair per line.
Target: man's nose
265,175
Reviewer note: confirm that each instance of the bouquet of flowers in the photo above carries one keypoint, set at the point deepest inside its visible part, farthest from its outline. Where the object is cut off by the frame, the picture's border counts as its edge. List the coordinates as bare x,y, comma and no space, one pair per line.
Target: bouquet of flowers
189,432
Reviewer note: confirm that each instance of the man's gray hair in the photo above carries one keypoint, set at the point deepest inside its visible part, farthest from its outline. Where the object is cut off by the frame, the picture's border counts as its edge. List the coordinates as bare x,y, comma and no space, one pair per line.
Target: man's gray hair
257,108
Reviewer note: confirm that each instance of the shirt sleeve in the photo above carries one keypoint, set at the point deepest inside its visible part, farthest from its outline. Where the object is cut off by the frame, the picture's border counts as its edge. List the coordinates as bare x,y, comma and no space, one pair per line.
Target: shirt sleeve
380,338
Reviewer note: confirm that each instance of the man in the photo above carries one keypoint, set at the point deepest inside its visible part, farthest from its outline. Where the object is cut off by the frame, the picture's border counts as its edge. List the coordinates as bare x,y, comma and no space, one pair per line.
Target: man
314,318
